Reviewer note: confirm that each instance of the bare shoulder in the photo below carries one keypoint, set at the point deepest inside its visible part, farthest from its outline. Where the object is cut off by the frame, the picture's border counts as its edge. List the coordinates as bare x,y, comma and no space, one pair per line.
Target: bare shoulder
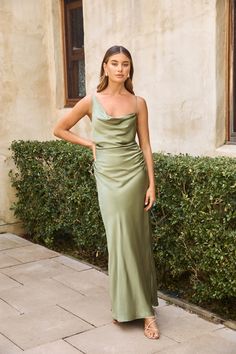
84,105
85,101
141,104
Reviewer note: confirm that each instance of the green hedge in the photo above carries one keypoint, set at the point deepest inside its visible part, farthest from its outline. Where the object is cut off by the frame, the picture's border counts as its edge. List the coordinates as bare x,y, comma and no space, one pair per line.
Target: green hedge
194,221
56,193
195,224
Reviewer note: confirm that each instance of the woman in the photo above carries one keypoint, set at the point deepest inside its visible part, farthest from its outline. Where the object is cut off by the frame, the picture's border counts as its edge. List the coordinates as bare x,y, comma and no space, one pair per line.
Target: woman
125,184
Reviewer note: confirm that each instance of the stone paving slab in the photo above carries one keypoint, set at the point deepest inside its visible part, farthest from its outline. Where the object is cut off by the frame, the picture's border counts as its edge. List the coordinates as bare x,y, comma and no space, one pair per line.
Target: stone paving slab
58,347
7,310
6,261
118,339
39,294
227,334
6,244
41,327
87,282
30,253
53,304
181,325
19,240
7,283
7,347
95,309
45,268
205,344
72,263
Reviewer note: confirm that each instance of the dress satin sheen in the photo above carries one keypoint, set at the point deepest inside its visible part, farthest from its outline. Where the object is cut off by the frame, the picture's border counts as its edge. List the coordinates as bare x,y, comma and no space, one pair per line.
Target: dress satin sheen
122,182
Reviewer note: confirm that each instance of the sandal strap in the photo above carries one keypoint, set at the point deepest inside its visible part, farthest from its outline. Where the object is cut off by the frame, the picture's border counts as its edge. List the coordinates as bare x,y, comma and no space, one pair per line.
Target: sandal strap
149,324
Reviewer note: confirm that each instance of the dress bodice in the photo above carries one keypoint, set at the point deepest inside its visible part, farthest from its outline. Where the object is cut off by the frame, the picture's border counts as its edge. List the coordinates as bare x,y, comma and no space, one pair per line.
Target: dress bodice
109,131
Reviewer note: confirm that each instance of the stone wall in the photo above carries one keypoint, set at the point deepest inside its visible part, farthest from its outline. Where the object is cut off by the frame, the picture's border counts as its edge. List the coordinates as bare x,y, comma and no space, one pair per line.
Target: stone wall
27,88
175,48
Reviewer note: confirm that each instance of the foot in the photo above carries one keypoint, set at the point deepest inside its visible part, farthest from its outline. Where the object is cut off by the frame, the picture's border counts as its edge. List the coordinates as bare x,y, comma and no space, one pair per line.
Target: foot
114,321
150,328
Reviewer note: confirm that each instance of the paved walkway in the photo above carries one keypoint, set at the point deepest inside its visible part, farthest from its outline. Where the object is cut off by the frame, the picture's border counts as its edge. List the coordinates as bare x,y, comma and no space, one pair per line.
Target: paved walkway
52,304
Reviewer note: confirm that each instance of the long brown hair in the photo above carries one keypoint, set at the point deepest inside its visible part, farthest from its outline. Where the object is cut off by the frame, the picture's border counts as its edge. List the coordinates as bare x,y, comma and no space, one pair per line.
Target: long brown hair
104,79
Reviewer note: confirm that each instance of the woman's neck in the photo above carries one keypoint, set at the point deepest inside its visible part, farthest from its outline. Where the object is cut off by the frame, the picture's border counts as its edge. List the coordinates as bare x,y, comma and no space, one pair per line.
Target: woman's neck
114,89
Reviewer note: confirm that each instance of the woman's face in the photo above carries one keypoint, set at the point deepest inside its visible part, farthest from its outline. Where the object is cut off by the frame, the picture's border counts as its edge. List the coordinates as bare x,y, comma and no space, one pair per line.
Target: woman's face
117,68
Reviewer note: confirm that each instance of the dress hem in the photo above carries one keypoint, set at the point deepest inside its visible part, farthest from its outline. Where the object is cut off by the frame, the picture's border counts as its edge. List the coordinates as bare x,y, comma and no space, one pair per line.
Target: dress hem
132,318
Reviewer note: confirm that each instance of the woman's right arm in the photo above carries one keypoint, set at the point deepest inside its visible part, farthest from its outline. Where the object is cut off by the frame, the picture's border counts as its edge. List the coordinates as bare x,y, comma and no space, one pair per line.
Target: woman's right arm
63,126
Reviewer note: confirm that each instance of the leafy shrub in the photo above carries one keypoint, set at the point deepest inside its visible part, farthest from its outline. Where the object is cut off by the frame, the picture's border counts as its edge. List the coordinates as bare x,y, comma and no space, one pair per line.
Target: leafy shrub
194,221
56,193
194,224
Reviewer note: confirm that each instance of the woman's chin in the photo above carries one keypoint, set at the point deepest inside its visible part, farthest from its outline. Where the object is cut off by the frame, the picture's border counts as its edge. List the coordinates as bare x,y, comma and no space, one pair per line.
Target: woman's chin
118,79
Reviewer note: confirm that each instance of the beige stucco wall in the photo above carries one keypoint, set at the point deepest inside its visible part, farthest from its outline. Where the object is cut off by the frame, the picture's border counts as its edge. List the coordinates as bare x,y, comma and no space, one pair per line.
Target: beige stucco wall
31,85
27,84
178,49
174,46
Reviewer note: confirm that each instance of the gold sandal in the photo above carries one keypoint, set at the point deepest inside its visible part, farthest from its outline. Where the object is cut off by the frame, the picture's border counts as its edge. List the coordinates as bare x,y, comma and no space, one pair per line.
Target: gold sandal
151,331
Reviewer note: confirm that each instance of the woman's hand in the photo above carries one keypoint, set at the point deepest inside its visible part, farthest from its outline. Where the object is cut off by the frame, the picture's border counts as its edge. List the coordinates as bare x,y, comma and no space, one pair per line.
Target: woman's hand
93,148
150,198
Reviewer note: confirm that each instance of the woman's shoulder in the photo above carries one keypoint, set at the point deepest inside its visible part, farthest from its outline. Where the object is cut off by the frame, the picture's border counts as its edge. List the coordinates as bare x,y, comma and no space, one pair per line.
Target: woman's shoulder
140,99
85,104
88,99
89,96
93,94
141,103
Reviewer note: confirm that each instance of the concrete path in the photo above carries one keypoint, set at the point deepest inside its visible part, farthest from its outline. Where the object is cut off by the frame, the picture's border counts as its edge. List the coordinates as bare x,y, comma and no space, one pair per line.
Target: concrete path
52,304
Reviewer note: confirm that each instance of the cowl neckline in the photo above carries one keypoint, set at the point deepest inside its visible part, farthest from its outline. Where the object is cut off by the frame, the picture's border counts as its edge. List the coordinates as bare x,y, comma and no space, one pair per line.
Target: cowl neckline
110,116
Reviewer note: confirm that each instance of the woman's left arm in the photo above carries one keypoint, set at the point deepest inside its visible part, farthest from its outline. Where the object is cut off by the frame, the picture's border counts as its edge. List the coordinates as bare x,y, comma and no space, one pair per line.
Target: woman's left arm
144,142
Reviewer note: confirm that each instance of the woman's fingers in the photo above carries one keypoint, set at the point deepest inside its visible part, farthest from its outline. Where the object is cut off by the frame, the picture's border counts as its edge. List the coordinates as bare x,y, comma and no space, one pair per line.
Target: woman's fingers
149,202
148,206
94,151
146,200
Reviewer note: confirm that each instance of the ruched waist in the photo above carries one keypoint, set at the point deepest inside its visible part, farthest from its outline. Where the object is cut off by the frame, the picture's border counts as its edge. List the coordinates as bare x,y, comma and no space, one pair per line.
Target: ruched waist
123,153
119,161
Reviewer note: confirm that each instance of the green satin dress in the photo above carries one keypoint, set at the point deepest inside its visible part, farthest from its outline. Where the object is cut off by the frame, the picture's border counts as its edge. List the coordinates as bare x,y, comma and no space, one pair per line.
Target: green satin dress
122,182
